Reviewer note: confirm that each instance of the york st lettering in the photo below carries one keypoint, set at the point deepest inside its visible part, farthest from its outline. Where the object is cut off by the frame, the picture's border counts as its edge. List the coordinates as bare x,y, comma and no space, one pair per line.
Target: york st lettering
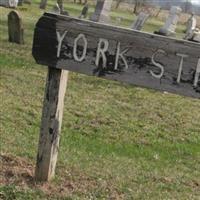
103,46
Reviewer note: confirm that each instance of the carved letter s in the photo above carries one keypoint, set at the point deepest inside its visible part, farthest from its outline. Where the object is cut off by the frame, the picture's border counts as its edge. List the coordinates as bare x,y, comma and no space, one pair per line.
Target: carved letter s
159,76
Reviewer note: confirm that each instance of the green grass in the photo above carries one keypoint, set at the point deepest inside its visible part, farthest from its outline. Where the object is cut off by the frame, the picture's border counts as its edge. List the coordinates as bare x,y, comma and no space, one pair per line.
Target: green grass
117,140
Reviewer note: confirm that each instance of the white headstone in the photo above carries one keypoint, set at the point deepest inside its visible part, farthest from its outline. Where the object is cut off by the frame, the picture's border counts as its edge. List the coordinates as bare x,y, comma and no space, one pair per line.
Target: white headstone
56,9
118,21
191,26
139,23
170,25
196,35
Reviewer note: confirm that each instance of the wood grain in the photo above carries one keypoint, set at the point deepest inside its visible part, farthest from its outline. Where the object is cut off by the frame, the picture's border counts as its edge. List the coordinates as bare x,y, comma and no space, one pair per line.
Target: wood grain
51,124
139,49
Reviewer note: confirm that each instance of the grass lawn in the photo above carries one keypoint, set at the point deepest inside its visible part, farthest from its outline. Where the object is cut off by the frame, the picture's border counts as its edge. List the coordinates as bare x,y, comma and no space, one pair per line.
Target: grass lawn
117,142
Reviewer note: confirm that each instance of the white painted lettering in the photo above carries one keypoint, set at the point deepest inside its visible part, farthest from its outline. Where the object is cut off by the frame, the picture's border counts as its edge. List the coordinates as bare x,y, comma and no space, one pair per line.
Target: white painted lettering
159,76
120,55
196,78
102,48
80,36
180,66
60,39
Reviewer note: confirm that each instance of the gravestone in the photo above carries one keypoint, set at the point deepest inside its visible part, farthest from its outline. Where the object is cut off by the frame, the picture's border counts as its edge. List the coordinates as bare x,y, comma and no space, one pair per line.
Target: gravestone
9,3
195,36
192,33
191,26
43,4
102,11
169,29
20,3
118,21
56,9
60,5
84,11
15,28
139,23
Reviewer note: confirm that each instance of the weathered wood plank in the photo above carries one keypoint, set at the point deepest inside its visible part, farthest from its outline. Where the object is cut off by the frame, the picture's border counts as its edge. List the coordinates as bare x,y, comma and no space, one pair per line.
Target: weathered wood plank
51,124
121,54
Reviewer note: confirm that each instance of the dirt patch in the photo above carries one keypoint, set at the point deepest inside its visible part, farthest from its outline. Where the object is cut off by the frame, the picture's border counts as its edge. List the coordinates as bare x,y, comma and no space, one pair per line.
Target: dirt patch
14,170
20,172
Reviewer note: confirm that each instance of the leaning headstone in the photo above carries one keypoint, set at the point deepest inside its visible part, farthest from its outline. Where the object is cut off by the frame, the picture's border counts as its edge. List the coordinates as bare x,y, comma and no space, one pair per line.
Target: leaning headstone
118,21
169,29
195,36
60,5
56,9
191,26
139,23
15,28
102,11
84,11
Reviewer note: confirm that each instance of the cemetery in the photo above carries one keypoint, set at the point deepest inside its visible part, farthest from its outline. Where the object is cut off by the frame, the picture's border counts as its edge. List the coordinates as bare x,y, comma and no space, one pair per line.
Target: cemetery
98,102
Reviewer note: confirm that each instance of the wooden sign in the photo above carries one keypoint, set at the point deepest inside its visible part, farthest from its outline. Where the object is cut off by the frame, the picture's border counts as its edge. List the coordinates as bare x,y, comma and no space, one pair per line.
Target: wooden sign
120,54
64,43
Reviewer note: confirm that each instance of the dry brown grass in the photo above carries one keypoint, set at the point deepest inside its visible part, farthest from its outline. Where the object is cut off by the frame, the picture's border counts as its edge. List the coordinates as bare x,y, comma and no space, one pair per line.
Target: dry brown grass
19,171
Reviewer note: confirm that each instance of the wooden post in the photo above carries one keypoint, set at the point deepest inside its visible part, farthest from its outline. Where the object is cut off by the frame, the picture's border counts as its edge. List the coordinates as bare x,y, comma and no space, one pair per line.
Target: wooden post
56,84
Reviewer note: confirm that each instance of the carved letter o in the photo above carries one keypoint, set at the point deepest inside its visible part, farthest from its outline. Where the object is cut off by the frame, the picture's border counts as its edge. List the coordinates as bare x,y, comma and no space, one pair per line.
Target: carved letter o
80,59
